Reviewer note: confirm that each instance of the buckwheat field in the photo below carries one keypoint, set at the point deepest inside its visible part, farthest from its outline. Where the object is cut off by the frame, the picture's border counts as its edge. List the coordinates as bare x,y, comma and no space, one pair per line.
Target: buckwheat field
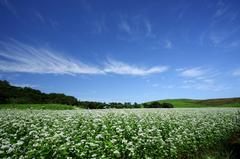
126,133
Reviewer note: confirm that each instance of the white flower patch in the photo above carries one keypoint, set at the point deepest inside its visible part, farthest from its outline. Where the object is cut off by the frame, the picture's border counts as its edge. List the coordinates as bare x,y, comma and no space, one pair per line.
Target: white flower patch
121,133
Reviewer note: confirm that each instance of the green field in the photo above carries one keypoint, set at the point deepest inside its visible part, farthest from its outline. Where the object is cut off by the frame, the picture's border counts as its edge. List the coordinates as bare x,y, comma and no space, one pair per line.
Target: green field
193,129
117,133
37,106
177,103
191,103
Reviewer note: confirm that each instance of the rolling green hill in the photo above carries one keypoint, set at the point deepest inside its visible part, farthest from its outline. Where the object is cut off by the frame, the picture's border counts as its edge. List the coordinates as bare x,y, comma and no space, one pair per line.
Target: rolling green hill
192,103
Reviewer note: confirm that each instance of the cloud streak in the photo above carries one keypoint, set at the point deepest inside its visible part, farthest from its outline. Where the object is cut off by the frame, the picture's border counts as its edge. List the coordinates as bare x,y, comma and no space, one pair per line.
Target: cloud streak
19,57
9,6
168,44
204,85
236,72
200,79
117,67
39,16
124,26
198,73
135,27
222,8
223,29
192,72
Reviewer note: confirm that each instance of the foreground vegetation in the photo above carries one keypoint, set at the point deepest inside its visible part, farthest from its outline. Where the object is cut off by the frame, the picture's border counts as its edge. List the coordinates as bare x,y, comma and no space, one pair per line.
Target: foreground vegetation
125,133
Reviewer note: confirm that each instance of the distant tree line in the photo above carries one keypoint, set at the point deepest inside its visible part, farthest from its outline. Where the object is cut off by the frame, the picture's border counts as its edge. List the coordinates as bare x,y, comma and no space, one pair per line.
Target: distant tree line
24,95
18,95
103,105
157,105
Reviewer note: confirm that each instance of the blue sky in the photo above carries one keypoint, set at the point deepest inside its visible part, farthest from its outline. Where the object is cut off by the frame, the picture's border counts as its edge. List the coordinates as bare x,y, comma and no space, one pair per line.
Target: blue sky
122,50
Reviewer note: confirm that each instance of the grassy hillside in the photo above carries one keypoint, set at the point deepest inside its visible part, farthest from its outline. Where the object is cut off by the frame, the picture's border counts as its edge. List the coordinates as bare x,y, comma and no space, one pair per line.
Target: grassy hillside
191,103
37,106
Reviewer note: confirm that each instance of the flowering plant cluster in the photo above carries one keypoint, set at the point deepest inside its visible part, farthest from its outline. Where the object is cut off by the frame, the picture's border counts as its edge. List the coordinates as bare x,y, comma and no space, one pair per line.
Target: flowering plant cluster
125,133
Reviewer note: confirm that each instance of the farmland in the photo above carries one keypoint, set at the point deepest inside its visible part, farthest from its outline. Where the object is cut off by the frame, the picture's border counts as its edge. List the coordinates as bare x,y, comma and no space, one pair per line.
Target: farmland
114,133
197,103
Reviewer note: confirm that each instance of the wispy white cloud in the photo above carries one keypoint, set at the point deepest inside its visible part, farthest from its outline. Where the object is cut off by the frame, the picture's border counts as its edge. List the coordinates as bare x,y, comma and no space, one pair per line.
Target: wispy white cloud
20,57
86,5
136,27
155,85
192,72
201,79
223,28
207,84
236,72
216,38
168,44
118,67
189,81
233,15
180,69
169,86
222,8
148,27
39,16
198,73
125,27
164,43
182,9
53,23
234,44
9,6
98,27
220,36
